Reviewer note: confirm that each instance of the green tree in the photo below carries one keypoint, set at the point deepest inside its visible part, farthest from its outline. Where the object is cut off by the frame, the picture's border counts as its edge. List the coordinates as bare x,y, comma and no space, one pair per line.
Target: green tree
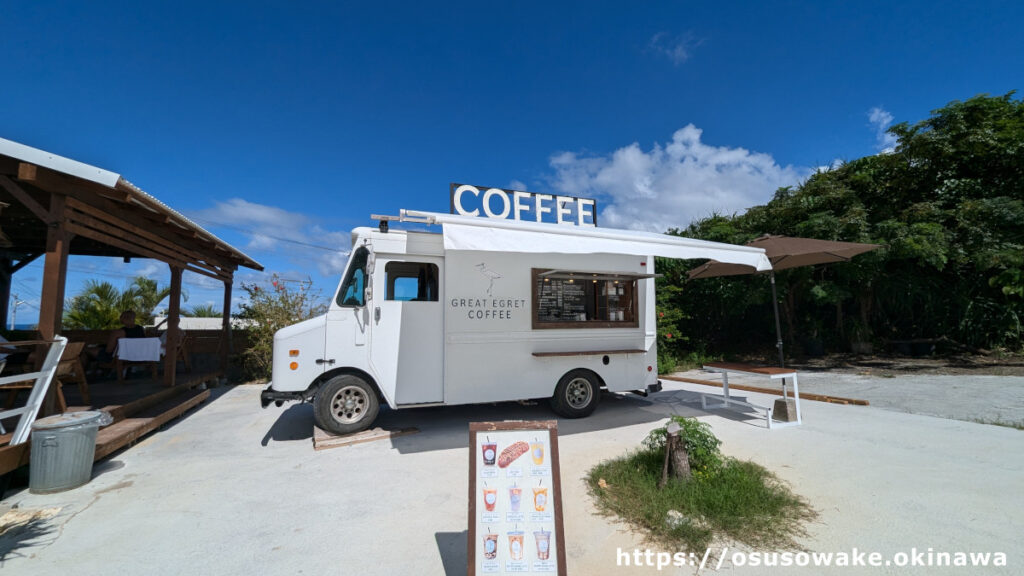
204,311
946,204
269,308
100,304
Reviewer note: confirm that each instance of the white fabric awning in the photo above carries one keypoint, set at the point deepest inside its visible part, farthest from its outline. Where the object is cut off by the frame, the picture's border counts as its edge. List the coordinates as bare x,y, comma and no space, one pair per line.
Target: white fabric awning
492,235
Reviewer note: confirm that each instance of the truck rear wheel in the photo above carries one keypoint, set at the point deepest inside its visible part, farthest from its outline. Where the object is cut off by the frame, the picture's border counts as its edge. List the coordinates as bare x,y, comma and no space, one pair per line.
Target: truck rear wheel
345,404
577,394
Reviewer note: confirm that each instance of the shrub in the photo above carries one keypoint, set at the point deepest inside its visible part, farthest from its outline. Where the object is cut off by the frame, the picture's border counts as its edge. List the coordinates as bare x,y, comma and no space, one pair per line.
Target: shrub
270,308
701,443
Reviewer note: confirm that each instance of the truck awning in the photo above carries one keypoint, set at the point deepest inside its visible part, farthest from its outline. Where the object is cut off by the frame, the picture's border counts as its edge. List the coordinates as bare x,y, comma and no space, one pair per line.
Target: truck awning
594,275
492,235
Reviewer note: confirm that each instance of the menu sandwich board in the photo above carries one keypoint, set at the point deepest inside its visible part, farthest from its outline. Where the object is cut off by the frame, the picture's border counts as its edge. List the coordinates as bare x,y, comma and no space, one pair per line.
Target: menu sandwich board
515,499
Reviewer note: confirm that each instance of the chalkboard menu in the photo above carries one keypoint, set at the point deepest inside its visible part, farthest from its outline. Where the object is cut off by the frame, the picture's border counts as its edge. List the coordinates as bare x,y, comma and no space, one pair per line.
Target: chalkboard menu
561,301
515,499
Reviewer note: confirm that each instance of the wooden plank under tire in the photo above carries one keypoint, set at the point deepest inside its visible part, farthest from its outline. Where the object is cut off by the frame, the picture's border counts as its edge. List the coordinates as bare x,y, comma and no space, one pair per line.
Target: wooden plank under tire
323,440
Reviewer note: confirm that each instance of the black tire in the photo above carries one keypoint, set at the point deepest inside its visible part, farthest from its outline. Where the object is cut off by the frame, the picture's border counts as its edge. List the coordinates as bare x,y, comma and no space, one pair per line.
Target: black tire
577,394
345,404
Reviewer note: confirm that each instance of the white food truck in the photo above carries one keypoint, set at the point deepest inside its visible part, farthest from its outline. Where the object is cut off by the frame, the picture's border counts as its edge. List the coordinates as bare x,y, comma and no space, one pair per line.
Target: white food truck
487,310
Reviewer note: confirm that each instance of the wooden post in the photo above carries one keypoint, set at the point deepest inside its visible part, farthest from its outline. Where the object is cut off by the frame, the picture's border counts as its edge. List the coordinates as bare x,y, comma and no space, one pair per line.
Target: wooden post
51,302
5,291
173,315
225,334
676,456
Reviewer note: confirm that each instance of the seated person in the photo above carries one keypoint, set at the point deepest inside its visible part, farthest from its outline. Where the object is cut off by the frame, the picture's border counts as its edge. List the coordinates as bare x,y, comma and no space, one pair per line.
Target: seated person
128,330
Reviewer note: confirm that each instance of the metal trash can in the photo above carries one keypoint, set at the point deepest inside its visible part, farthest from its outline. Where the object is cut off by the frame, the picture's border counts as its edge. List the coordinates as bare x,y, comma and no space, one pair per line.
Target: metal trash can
63,447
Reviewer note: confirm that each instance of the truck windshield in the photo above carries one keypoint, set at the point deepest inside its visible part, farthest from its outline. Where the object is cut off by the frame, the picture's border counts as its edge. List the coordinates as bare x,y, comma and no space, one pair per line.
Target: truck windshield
352,291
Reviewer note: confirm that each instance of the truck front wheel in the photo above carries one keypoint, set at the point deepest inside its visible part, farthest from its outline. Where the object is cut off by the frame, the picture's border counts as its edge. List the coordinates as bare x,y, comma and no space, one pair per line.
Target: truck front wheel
577,394
345,404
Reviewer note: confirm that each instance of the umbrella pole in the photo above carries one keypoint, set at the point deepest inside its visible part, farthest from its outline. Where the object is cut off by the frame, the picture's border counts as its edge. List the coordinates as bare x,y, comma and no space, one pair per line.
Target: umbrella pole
778,327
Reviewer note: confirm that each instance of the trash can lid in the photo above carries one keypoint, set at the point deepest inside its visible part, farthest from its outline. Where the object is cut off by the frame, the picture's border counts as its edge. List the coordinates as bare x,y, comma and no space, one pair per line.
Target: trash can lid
66,420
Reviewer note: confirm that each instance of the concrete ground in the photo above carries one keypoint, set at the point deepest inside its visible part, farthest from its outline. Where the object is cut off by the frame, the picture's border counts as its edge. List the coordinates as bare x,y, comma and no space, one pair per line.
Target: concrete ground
233,489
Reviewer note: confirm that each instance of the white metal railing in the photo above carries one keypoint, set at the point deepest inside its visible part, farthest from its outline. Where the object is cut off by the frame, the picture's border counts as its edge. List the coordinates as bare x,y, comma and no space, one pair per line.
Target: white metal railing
42,379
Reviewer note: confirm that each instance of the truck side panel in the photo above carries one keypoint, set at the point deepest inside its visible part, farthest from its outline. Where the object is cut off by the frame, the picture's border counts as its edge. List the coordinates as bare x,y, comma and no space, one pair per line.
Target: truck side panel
490,341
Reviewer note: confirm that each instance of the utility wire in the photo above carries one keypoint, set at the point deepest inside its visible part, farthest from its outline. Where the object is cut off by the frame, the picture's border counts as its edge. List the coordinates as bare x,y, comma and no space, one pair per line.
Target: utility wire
265,235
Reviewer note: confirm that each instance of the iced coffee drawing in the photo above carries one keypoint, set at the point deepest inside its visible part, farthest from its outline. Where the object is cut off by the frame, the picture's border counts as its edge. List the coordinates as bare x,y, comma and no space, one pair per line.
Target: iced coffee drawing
490,498
540,497
515,544
543,539
490,450
515,495
537,452
490,545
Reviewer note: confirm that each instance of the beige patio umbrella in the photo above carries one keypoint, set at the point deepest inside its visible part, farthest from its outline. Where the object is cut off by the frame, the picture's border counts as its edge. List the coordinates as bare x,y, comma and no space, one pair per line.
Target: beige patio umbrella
785,252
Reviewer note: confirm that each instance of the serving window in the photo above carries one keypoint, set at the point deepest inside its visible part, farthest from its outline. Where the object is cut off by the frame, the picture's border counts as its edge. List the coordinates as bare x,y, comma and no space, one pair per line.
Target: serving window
570,299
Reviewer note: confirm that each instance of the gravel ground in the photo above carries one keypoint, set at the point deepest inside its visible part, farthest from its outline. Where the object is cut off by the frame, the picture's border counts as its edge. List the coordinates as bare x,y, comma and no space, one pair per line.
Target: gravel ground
972,398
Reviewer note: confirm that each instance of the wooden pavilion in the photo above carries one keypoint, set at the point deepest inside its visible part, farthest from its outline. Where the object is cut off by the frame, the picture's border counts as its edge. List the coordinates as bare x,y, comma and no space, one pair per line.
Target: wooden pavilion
54,207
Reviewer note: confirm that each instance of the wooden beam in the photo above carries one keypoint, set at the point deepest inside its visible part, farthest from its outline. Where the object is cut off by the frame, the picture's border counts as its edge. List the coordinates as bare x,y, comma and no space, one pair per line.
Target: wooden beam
122,217
147,210
119,219
131,234
26,200
27,171
28,259
173,314
136,249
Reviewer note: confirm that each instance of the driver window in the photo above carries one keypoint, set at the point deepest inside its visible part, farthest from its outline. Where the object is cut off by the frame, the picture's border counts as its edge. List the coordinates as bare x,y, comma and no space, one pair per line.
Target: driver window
352,292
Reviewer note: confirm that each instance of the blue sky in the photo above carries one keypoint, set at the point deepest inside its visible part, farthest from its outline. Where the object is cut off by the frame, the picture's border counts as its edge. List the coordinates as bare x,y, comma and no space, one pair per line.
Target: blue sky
280,128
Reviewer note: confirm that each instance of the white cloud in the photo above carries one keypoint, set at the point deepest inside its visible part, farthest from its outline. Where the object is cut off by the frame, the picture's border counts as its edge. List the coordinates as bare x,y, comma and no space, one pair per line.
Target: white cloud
517,185
677,49
881,120
672,184
151,269
273,229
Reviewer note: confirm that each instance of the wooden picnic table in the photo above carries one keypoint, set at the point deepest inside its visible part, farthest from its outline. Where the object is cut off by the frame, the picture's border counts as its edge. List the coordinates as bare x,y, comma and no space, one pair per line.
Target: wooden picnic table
771,372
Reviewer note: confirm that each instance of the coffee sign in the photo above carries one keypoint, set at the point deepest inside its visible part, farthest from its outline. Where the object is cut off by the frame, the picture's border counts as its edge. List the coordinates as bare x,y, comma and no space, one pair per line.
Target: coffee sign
515,499
504,204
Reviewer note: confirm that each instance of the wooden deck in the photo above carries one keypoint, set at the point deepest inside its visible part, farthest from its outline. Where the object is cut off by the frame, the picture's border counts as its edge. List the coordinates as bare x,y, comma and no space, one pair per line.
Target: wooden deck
138,407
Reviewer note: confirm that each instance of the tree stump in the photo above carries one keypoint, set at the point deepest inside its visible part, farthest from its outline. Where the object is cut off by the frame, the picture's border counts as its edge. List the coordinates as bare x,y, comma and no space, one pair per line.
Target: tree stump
677,461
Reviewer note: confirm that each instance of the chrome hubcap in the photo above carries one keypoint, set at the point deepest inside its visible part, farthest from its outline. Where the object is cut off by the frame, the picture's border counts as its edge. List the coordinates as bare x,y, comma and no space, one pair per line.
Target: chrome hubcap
349,404
579,392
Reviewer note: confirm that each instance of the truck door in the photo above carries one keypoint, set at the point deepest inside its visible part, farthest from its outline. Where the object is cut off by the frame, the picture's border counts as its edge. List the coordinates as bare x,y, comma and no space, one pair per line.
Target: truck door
407,344
348,317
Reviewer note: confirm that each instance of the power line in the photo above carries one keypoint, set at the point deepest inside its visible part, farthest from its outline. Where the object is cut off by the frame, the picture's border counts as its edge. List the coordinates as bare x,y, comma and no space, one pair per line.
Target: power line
265,235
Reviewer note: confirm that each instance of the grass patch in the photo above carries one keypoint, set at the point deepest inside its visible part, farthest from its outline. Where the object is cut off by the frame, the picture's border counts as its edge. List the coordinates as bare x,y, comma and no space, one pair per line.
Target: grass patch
737,500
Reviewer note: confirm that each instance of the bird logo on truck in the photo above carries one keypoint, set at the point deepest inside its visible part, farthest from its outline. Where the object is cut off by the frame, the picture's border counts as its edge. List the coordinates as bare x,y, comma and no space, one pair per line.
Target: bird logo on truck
491,276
